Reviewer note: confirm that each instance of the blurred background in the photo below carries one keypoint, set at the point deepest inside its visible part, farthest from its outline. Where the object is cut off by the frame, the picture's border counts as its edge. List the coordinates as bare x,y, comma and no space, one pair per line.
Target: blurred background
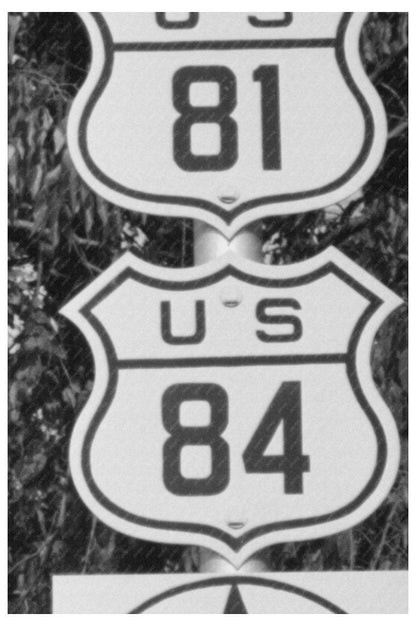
61,236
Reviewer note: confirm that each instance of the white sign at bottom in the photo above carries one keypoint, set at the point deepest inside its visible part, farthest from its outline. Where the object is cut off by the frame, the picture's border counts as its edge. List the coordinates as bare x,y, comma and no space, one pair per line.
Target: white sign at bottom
278,593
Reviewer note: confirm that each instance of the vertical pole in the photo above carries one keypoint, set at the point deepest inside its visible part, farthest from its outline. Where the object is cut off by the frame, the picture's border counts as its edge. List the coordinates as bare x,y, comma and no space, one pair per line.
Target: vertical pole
209,243
213,563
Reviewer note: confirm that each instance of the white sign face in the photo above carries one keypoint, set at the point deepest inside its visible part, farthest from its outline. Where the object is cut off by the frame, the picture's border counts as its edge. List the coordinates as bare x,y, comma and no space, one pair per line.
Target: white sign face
234,405
282,593
226,117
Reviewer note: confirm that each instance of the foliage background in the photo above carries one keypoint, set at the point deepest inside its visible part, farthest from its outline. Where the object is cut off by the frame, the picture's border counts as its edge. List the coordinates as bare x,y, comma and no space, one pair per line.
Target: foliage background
61,236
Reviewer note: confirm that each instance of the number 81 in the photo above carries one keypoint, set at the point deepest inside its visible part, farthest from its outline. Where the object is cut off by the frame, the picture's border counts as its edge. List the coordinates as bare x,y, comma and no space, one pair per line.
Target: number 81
266,75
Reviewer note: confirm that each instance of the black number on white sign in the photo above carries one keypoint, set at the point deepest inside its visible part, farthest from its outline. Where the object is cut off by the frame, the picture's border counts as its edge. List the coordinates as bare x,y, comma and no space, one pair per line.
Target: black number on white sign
191,115
284,409
220,114
268,77
181,436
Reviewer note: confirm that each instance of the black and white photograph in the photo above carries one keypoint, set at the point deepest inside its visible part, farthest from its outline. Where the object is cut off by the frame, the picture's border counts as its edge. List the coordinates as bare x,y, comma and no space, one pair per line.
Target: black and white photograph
207,312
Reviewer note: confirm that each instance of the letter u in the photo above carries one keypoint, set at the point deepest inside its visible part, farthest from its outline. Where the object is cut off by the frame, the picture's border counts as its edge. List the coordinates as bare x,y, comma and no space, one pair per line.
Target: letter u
166,324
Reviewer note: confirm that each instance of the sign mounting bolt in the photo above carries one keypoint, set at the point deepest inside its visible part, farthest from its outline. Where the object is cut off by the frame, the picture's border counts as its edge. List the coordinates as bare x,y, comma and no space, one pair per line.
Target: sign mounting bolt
228,196
231,297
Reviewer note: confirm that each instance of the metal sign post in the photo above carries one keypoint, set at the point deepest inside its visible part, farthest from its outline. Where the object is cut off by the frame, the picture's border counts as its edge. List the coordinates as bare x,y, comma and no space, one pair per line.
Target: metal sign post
208,244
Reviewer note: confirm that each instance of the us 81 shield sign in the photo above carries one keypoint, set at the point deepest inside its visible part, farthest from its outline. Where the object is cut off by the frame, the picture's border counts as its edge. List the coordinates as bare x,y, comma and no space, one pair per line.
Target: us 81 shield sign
244,114
233,405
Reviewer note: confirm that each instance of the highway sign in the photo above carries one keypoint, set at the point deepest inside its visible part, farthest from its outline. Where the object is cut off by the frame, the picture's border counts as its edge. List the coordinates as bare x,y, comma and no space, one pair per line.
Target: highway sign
226,117
280,593
233,404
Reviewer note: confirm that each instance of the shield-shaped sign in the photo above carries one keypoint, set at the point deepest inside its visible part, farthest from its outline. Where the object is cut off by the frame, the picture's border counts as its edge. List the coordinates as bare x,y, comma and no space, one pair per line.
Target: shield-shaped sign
226,117
233,404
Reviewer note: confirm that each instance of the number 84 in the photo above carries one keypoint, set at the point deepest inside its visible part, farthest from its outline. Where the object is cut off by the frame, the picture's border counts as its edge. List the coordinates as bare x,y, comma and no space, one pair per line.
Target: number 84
284,409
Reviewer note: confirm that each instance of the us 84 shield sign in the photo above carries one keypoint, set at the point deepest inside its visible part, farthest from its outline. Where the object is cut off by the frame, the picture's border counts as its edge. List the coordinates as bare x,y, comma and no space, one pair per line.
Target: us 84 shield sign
226,117
233,405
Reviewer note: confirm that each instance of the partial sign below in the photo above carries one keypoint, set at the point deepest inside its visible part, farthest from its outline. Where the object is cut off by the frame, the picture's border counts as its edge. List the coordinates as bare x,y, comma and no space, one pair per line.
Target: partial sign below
226,117
279,593
234,405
